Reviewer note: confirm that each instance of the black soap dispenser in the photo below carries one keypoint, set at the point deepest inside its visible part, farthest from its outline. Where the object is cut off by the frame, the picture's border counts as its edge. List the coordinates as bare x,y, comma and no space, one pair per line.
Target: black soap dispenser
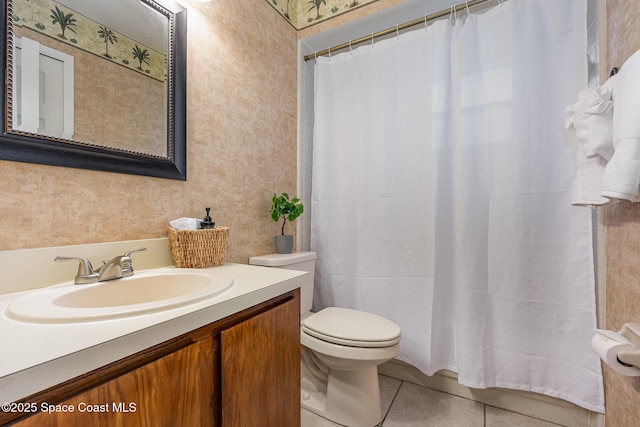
207,222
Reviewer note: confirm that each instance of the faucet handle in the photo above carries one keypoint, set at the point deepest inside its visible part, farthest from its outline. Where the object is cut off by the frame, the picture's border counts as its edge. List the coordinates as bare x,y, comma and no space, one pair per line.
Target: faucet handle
85,269
127,262
135,250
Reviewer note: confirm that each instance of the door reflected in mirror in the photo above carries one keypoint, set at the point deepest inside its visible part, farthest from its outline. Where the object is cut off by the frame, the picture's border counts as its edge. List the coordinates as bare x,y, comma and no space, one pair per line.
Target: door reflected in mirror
42,90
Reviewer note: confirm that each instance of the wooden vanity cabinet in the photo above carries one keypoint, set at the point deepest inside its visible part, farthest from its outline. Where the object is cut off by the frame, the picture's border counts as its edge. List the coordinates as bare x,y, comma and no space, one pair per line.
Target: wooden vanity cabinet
243,370
260,370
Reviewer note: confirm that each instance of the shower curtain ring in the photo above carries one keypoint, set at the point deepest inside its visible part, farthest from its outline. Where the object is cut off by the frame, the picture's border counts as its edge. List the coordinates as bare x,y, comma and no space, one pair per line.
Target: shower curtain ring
466,4
329,52
350,50
397,31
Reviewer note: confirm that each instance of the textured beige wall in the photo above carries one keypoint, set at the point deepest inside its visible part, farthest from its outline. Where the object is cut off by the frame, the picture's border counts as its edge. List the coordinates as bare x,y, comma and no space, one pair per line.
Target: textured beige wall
241,119
622,394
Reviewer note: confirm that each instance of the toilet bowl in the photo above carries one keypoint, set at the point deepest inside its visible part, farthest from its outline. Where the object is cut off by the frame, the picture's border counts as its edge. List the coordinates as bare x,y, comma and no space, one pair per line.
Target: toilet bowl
341,349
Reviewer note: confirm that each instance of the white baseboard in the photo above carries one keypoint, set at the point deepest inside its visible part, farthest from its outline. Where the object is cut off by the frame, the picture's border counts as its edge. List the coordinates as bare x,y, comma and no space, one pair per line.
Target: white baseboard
534,405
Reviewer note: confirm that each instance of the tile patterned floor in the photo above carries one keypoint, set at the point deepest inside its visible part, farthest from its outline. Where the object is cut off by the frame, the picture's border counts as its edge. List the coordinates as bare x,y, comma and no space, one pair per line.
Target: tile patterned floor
409,405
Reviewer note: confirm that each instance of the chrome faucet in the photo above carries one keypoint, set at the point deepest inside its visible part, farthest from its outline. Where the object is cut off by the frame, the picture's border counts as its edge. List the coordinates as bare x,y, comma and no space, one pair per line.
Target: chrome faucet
116,268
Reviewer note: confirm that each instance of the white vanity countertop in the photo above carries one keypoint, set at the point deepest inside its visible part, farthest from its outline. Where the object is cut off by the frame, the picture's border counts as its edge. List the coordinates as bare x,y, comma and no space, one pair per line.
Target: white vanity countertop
37,356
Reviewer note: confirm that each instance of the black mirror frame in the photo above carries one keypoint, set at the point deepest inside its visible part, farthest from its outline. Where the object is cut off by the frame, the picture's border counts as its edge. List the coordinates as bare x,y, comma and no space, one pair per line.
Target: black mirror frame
31,149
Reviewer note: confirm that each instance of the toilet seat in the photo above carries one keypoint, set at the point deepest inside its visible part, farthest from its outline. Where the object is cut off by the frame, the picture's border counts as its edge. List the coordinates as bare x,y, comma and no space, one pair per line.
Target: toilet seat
351,328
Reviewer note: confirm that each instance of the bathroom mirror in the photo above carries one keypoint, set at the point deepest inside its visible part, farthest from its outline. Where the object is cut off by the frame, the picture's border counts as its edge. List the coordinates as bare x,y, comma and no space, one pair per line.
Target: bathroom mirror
95,84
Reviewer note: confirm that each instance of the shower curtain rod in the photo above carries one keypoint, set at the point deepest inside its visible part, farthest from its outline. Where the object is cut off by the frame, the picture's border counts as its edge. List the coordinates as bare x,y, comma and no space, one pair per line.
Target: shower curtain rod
397,28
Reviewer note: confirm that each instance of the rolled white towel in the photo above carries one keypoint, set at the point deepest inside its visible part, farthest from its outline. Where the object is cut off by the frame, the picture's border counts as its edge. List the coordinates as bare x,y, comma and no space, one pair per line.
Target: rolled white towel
621,177
588,183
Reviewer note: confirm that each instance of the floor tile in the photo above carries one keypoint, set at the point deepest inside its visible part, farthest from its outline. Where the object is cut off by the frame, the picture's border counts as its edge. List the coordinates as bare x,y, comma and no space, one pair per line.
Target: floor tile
501,418
388,390
309,419
420,406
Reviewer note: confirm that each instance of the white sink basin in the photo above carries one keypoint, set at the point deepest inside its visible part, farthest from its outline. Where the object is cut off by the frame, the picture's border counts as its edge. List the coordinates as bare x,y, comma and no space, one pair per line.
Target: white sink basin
144,292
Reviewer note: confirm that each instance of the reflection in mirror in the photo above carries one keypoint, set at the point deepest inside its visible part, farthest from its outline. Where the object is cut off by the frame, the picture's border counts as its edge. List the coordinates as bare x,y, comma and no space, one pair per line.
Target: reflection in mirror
120,93
106,78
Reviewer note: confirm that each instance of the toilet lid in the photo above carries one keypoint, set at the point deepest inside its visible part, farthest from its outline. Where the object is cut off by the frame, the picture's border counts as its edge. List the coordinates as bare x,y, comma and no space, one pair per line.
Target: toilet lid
351,327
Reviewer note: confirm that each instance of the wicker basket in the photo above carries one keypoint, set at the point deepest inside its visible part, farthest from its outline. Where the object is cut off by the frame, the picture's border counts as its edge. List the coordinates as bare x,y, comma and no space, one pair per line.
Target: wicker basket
198,248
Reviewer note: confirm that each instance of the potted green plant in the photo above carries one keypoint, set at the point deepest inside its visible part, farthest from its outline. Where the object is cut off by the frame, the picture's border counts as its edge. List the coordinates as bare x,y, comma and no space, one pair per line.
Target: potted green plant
287,210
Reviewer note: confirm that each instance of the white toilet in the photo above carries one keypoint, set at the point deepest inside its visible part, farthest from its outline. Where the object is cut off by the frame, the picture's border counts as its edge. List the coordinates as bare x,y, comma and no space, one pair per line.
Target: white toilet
341,351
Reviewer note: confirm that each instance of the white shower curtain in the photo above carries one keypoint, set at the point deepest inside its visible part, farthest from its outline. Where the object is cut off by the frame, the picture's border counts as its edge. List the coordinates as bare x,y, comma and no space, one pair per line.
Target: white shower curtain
442,179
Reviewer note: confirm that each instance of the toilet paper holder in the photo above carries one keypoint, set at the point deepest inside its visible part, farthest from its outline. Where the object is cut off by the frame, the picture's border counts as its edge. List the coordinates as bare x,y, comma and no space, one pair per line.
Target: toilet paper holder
631,332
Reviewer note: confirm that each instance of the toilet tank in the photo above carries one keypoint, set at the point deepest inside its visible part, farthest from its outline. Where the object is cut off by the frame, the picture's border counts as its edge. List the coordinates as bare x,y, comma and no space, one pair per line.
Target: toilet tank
303,261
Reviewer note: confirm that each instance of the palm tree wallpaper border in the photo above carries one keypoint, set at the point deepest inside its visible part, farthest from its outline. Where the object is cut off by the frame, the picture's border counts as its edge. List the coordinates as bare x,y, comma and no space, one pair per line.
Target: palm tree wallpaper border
63,24
304,13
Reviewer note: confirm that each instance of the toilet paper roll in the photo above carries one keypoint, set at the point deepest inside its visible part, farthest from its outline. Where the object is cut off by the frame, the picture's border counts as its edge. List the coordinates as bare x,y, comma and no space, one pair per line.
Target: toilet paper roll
608,348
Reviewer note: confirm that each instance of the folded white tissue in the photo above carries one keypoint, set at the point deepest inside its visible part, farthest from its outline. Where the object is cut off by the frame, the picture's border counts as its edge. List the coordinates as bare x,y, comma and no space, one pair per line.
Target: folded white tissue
186,223
609,345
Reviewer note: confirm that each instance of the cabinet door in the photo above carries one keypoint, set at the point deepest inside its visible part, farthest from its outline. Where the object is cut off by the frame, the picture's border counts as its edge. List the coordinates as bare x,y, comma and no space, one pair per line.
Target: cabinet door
175,390
261,369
